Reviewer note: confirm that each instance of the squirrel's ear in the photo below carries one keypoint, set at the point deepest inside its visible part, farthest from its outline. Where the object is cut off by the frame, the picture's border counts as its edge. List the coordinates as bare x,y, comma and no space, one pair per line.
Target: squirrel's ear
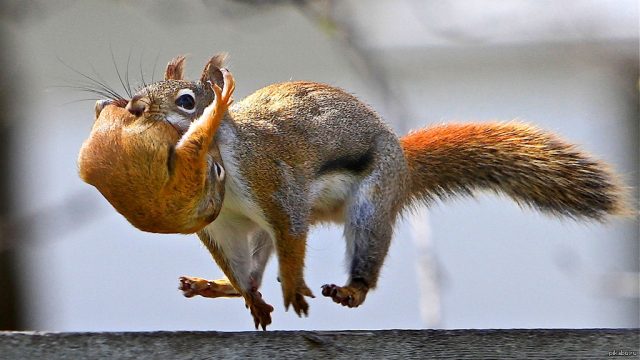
212,71
175,69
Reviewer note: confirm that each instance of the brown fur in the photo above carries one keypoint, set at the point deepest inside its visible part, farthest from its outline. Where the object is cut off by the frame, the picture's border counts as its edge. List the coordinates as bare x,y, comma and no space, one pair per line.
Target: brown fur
300,153
533,167
159,180
175,69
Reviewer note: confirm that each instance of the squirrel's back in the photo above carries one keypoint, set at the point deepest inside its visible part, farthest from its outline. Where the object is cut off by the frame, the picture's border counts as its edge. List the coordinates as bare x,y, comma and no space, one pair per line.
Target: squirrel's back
307,124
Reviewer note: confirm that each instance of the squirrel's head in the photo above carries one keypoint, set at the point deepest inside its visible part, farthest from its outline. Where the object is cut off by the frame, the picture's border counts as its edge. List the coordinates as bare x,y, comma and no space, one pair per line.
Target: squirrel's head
175,100
130,154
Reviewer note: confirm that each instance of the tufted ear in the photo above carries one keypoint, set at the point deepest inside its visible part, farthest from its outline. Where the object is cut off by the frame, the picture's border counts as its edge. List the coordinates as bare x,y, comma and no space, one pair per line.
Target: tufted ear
175,68
211,71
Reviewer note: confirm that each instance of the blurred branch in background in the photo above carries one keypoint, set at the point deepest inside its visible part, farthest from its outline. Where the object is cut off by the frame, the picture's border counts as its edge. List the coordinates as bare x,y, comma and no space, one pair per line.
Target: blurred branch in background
334,22
429,274
333,18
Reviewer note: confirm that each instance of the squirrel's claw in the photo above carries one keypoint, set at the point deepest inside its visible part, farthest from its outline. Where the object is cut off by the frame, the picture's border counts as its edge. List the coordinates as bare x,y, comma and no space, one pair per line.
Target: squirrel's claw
296,299
223,96
350,296
300,305
260,310
192,286
229,85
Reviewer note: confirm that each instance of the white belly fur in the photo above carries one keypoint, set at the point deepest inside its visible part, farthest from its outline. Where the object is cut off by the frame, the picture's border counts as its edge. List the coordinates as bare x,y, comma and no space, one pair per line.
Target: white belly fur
328,195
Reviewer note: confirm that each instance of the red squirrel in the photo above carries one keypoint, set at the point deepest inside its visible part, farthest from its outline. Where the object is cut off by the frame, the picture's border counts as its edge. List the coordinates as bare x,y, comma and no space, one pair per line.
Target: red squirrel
296,154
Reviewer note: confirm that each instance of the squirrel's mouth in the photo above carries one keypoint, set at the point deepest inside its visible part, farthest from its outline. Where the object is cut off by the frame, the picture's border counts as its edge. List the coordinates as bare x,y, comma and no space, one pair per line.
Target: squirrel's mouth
178,122
178,130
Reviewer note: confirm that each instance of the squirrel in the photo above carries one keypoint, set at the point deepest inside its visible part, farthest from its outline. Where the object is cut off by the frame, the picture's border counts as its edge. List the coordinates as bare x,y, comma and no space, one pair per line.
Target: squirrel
296,154
176,178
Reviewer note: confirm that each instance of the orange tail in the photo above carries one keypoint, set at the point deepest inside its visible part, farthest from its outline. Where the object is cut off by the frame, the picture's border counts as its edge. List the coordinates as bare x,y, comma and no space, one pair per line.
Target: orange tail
533,167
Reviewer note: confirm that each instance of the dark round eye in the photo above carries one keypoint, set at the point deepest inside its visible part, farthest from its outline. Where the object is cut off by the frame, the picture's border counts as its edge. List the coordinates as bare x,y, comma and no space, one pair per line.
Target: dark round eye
219,171
186,102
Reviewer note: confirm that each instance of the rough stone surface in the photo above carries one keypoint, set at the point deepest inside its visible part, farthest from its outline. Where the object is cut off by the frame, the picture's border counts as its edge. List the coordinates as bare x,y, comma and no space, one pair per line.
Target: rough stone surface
387,344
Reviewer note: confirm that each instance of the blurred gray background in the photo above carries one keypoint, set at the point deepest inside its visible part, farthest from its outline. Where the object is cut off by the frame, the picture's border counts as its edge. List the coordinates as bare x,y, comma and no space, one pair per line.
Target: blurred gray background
69,262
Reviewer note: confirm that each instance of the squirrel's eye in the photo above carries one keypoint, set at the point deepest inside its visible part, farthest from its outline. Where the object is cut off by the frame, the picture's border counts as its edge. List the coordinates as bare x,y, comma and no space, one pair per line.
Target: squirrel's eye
219,171
186,100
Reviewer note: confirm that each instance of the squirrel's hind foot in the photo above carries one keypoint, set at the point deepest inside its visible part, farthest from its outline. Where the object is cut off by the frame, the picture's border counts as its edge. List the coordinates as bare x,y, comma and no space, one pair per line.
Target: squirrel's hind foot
192,286
351,295
296,299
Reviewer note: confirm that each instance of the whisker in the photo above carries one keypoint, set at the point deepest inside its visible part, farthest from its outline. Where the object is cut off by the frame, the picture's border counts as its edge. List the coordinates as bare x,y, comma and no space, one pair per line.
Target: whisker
103,93
103,88
79,100
126,76
115,65
155,63
144,83
104,83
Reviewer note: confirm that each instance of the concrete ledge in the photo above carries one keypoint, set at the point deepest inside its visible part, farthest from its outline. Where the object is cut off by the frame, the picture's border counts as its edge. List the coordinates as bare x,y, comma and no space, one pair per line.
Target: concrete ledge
406,344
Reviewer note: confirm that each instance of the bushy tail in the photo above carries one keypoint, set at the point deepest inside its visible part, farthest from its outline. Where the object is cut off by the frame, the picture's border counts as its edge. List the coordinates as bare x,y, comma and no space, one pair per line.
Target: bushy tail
533,167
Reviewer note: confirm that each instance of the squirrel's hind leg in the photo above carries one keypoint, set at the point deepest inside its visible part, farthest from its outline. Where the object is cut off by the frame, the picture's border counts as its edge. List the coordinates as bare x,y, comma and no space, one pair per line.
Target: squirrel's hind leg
368,232
371,213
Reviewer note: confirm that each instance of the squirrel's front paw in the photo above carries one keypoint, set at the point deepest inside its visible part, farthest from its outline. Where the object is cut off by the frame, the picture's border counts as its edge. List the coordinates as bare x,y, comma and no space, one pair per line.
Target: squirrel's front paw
351,296
295,297
192,286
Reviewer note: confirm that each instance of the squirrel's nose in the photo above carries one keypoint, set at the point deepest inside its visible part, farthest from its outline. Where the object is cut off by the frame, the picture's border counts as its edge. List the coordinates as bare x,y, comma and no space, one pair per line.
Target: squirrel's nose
135,106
